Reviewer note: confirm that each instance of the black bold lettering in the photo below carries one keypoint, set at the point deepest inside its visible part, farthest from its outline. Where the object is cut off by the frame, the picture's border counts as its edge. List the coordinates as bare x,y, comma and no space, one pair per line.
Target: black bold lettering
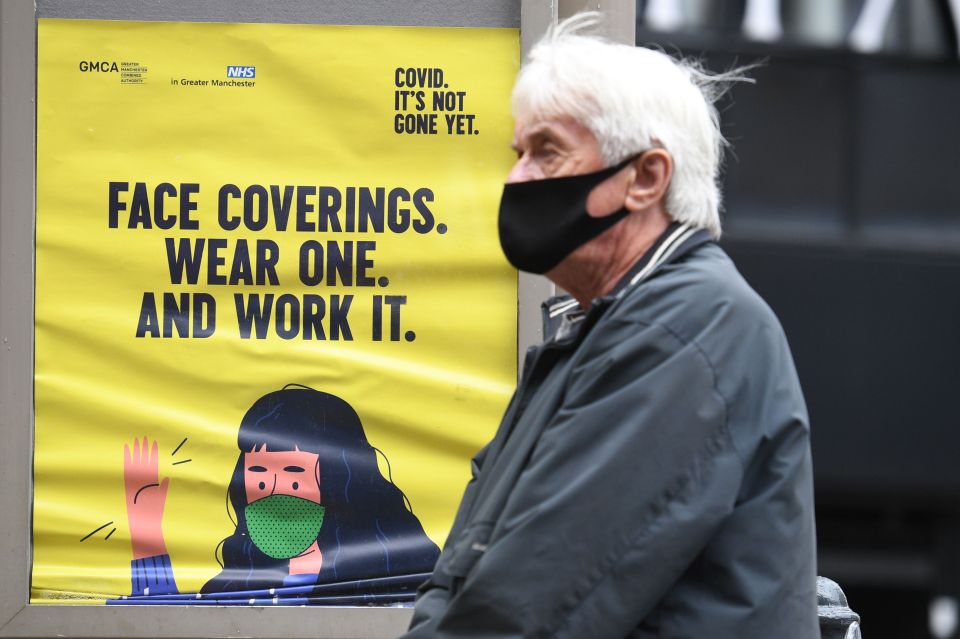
240,270
314,309
204,306
329,207
339,263
253,314
311,262
281,205
288,306
395,302
420,199
114,205
188,206
184,260
398,218
149,323
140,208
268,254
255,217
175,314
377,318
350,210
363,263
304,207
371,210
339,326
215,261
163,222
227,222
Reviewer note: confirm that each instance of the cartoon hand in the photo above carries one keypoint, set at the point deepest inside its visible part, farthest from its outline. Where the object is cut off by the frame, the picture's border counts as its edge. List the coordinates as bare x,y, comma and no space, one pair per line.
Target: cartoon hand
146,496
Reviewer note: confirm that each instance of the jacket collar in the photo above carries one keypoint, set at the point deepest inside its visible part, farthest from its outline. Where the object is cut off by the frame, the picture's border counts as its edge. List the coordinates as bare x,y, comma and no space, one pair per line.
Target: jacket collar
563,318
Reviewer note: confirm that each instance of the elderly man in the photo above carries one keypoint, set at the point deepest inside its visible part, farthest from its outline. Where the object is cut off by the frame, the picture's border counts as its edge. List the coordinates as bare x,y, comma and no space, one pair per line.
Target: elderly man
651,476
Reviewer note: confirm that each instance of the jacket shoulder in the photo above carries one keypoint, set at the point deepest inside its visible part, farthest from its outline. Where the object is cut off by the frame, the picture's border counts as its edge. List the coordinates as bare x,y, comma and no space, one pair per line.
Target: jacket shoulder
703,290
704,300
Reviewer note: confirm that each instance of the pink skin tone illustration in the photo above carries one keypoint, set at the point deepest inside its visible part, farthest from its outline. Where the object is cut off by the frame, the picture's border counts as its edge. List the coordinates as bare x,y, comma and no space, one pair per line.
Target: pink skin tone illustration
294,472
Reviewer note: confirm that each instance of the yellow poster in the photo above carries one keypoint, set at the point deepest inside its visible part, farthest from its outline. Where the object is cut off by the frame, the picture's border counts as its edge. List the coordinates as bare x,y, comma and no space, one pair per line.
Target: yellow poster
273,320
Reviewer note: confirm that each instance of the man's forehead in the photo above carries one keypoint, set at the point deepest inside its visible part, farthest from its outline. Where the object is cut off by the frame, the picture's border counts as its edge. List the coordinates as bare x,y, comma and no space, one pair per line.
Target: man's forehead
562,127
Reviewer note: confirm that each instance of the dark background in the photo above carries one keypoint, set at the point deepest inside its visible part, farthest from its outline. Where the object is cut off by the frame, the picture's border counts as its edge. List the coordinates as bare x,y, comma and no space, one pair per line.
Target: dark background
843,211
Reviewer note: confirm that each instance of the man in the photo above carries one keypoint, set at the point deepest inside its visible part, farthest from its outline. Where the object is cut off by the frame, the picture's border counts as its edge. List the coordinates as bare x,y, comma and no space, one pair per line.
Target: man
651,476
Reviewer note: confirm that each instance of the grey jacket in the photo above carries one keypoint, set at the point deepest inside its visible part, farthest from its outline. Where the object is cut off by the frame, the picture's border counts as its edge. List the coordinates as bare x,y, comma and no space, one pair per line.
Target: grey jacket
651,476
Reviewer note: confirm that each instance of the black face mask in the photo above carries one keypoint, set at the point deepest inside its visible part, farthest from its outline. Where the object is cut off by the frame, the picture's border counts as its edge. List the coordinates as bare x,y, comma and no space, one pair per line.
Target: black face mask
543,221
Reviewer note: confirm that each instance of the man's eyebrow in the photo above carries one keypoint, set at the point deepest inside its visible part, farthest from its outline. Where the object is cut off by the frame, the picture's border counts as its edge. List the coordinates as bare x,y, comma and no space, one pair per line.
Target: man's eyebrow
293,469
544,129
257,469
538,135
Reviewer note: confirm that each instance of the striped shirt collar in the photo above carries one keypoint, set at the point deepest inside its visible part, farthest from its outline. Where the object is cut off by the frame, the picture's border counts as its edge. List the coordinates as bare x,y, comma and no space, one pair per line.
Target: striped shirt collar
562,314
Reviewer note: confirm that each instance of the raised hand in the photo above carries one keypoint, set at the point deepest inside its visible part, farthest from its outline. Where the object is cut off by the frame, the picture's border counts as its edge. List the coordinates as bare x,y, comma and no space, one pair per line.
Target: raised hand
146,496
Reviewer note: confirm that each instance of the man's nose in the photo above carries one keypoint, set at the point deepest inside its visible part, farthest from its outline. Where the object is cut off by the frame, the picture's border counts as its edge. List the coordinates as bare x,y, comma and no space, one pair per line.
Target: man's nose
522,171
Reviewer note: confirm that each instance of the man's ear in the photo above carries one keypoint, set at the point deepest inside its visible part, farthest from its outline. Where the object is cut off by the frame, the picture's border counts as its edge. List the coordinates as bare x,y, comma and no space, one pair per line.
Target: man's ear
652,173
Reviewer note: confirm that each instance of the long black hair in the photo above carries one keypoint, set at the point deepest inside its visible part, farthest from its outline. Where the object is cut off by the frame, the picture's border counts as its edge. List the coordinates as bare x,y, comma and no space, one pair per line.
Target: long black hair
368,529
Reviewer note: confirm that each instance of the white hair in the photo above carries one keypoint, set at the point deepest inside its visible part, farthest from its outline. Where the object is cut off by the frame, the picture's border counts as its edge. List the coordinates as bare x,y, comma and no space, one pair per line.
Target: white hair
632,99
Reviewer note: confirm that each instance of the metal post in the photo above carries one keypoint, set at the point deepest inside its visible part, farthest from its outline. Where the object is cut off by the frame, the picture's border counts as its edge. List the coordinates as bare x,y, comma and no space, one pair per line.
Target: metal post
17,117
536,16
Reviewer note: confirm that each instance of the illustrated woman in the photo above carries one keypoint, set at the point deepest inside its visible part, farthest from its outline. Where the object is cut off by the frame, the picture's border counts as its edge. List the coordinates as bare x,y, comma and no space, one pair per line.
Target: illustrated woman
314,516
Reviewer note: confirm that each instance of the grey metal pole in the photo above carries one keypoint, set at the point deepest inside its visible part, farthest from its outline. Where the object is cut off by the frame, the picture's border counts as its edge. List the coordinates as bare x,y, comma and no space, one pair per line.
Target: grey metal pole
536,16
17,113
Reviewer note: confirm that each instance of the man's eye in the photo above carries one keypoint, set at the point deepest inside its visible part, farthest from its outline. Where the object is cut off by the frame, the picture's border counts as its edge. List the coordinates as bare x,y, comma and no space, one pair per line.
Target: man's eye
546,151
257,469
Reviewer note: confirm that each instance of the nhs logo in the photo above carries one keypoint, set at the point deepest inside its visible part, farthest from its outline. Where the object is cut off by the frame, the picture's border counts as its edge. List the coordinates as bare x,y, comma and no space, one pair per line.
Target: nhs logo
241,72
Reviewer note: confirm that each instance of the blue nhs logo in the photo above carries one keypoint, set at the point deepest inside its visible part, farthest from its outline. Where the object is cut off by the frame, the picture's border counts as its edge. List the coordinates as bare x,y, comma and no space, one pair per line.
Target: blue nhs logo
241,72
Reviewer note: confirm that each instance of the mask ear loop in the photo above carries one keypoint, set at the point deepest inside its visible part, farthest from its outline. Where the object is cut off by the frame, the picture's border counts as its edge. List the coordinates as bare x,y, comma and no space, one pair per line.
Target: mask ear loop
390,479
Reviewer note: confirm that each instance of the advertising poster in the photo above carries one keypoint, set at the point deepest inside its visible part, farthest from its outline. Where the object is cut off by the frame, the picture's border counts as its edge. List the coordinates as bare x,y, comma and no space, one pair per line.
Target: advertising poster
273,321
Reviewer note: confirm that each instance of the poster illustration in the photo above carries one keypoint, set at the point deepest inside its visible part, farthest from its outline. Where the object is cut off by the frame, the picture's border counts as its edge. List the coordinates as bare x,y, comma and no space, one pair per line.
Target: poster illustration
272,321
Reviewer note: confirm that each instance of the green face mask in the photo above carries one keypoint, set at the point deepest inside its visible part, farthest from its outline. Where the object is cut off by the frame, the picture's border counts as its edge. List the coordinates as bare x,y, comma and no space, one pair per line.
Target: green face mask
283,526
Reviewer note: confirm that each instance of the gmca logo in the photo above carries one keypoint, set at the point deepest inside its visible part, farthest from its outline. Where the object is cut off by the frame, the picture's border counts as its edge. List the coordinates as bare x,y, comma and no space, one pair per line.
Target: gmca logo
241,72
103,66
